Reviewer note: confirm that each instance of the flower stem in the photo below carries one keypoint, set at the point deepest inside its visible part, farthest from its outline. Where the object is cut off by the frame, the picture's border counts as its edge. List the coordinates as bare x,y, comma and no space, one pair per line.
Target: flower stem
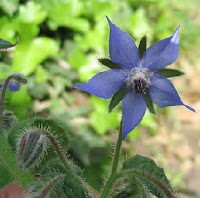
65,162
2,99
57,148
108,186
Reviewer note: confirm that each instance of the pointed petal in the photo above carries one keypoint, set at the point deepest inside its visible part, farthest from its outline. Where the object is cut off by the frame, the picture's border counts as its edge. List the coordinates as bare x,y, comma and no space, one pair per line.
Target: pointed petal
164,94
133,110
162,53
122,48
104,84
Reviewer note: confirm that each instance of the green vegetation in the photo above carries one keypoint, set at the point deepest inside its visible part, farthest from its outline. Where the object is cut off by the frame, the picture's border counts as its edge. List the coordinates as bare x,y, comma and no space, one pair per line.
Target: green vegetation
59,43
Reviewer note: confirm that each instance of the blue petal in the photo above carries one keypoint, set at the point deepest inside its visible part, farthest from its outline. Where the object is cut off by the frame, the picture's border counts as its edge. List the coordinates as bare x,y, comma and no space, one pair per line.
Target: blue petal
13,87
122,48
162,53
164,94
133,110
104,84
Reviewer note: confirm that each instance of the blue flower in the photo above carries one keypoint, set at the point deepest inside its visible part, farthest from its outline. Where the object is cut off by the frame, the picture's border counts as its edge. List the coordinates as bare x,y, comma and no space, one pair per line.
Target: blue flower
12,86
137,75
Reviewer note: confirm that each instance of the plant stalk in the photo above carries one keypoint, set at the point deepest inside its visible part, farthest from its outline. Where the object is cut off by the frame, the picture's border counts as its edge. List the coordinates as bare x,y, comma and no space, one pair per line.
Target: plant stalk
108,186
57,148
2,99
64,160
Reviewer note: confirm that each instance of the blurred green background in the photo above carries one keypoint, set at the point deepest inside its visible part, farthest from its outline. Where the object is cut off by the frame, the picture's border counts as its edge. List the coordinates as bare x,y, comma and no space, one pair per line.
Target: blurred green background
60,42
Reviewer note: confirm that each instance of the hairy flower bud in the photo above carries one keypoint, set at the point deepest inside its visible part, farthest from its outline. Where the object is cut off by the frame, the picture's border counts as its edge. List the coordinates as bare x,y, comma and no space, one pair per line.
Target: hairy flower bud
31,147
19,78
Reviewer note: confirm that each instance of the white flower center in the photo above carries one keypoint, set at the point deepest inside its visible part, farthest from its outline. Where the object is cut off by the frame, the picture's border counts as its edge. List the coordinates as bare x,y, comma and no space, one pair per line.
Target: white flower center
139,79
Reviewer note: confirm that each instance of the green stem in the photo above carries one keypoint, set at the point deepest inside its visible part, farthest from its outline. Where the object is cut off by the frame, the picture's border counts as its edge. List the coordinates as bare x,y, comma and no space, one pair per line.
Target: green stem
108,186
65,162
57,148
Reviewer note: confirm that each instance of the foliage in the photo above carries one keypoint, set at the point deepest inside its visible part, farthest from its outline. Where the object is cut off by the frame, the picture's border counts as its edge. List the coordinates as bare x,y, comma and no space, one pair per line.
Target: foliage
56,47
145,177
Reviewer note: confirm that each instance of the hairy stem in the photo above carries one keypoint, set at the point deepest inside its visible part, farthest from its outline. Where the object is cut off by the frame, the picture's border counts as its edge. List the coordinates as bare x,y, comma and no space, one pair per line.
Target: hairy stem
156,181
51,184
65,162
56,147
108,186
3,94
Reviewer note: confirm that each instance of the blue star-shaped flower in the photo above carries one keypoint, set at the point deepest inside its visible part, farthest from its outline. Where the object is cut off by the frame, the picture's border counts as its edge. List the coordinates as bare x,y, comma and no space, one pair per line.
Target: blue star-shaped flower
12,86
137,75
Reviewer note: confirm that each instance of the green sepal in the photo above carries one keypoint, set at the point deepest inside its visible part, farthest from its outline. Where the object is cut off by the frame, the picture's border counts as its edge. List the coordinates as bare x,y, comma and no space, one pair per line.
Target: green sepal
149,175
142,46
170,73
149,104
116,99
108,63
6,45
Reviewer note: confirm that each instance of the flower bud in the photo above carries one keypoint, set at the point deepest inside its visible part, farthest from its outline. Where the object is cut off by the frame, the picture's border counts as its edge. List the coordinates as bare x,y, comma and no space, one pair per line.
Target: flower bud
31,147
19,78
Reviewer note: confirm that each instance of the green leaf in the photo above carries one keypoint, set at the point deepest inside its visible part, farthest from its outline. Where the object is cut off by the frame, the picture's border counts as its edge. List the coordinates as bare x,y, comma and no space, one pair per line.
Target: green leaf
86,146
30,54
9,6
135,189
9,161
107,62
5,176
101,121
138,22
70,10
148,174
149,104
72,185
142,46
170,73
116,99
31,13
38,90
5,45
15,102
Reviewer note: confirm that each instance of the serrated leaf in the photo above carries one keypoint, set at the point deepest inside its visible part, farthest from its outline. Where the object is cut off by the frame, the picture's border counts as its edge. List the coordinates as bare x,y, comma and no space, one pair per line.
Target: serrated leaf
142,46
5,45
149,174
107,62
149,104
116,99
170,73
